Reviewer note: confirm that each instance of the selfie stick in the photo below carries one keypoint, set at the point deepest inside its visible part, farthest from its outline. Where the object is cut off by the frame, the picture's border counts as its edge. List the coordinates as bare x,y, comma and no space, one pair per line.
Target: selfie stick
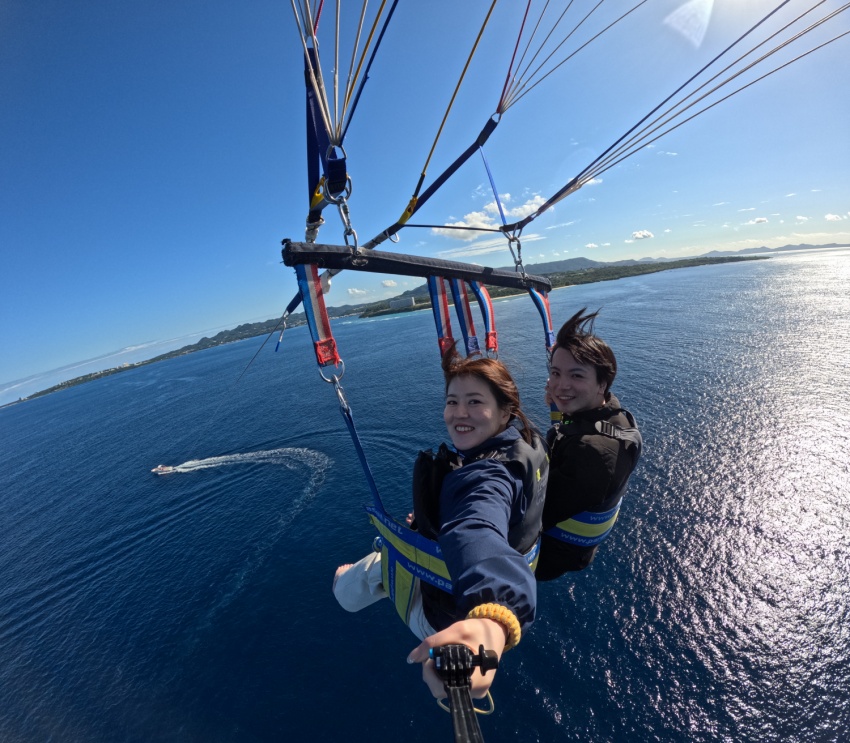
454,665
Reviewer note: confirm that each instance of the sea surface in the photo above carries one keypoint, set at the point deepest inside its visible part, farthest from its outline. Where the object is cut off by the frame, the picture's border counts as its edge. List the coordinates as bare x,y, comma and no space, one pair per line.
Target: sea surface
197,606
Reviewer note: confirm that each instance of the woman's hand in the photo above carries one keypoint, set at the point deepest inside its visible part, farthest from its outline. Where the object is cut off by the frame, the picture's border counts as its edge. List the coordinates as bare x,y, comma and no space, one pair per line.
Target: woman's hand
469,632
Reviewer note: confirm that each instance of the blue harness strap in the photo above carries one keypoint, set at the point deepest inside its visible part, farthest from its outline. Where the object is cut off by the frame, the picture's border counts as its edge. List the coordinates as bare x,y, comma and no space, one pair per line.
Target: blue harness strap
491,339
541,301
464,316
407,556
586,529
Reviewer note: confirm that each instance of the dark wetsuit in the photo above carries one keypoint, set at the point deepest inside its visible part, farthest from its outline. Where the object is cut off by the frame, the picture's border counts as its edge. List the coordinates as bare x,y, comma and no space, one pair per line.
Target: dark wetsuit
589,472
490,510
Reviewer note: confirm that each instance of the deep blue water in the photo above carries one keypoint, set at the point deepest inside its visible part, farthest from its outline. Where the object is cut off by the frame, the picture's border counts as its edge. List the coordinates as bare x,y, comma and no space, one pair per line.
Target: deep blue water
196,607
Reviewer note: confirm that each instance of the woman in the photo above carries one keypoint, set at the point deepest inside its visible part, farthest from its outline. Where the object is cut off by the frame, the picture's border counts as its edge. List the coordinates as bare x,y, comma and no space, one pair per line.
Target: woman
593,449
482,501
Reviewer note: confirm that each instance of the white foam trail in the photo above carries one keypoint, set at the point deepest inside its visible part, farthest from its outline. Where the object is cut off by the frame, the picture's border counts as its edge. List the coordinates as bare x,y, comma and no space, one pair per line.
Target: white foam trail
288,457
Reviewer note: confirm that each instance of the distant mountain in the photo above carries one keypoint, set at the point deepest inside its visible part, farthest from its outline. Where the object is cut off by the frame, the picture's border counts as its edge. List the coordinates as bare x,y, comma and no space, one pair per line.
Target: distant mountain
569,264
752,251
579,264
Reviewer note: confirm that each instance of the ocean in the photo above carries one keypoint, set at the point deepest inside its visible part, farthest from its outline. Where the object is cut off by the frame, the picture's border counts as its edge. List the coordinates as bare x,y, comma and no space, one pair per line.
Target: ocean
197,606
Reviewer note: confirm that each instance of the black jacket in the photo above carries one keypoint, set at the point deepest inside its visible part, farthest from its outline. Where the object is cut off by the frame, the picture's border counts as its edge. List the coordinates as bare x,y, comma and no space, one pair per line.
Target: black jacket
590,465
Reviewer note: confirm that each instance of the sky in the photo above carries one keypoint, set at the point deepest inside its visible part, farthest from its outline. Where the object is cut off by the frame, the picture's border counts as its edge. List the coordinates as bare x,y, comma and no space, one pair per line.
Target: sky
152,157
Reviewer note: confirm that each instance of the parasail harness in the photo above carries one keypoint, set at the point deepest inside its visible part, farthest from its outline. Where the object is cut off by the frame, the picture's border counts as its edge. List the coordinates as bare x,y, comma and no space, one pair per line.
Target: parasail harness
406,553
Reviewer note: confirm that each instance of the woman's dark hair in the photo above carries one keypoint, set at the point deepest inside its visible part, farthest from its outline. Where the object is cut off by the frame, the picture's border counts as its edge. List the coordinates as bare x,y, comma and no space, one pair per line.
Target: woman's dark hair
497,378
576,336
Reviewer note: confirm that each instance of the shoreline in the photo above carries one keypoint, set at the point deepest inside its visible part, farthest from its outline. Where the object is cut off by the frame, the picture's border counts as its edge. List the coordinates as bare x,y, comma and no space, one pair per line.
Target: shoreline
560,280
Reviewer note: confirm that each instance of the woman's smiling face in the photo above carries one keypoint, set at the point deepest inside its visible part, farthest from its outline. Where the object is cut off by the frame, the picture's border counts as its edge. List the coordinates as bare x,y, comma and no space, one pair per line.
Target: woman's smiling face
472,414
572,385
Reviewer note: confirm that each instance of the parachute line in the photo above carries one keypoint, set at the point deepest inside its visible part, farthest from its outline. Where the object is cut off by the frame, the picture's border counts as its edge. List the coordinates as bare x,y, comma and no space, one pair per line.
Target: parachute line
521,89
454,96
649,129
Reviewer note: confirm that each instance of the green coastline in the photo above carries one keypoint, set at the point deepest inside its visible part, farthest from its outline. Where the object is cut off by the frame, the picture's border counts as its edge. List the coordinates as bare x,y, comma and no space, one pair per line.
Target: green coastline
559,280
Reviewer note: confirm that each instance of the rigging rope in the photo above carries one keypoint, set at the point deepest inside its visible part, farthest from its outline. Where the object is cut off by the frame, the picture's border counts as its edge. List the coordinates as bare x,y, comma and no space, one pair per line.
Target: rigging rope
369,65
635,138
448,110
661,120
336,122
640,139
521,88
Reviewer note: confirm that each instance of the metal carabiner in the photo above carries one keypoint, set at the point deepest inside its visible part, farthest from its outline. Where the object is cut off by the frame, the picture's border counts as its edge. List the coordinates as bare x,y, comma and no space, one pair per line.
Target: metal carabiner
340,393
345,216
517,256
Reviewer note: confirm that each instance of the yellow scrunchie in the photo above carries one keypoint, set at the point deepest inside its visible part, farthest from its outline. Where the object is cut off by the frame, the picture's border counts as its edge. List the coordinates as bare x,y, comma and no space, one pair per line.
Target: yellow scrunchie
503,616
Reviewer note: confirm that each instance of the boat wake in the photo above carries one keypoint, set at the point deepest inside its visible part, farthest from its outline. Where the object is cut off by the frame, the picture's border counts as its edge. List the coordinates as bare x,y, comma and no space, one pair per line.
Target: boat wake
287,457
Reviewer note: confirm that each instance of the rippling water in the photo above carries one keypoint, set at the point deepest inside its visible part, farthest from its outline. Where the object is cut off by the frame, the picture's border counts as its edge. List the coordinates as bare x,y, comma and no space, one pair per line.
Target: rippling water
195,606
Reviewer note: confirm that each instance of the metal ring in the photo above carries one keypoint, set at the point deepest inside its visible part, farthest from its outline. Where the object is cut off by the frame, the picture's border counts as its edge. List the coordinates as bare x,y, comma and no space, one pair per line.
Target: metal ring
332,151
336,377
331,199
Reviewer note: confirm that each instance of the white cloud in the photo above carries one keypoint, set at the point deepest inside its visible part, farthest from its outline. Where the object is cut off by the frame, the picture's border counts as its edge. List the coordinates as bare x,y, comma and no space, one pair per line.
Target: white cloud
757,220
530,206
628,242
487,218
751,209
721,203
789,195
593,182
357,292
669,154
485,246
591,246
389,283
562,224
834,217
641,235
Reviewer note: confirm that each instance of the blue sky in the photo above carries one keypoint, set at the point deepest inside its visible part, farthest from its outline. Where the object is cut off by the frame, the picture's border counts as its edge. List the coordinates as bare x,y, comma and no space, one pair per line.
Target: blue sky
153,158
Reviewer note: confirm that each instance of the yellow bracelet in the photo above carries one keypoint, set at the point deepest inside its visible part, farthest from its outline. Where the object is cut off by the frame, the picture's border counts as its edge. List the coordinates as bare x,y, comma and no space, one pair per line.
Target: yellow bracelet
503,616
